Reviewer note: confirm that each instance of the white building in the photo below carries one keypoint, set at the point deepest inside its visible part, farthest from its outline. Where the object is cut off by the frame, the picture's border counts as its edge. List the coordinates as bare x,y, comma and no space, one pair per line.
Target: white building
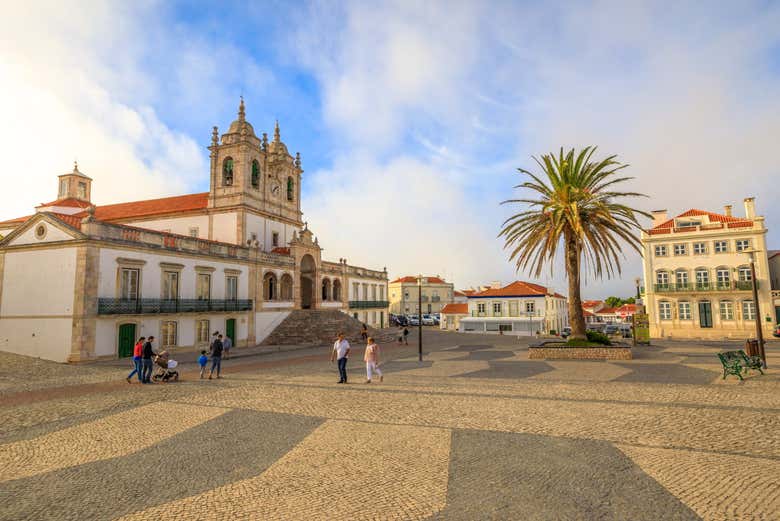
80,282
519,308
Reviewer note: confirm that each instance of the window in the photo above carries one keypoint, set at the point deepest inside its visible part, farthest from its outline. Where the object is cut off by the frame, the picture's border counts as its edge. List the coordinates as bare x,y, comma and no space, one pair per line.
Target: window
231,287
194,231
702,278
742,244
63,187
269,287
530,307
665,310
255,174
168,334
82,190
681,278
356,291
699,248
202,329
662,278
336,290
726,310
365,291
128,284
325,289
203,287
684,310
660,250
721,246
745,275
481,307
227,172
170,285
748,310
512,308
373,292
723,276
275,239
290,188
381,291
497,308
681,249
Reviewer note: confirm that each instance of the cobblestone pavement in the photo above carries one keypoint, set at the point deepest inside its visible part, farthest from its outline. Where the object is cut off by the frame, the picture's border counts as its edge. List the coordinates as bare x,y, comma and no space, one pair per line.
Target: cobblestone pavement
476,431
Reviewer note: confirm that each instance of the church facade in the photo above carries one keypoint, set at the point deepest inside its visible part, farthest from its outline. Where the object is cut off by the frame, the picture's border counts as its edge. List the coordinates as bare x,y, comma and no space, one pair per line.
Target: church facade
80,282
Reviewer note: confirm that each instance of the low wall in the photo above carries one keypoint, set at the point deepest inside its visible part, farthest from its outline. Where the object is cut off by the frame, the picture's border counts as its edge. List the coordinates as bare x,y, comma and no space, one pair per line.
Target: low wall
549,352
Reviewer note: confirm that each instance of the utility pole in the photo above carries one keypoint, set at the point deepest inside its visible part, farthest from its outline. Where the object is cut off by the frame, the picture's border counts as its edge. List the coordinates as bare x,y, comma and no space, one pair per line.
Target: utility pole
419,316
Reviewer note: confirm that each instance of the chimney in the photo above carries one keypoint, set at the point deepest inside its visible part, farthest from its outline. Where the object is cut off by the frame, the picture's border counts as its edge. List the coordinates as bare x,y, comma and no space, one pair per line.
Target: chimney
750,207
659,217
727,210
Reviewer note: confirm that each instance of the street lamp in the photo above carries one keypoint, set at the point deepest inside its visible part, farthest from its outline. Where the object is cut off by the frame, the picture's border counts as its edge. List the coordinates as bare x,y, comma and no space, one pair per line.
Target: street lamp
759,333
637,282
419,316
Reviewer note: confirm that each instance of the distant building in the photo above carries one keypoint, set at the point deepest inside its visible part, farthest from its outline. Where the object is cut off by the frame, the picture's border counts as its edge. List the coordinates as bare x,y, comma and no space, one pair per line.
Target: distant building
405,291
697,274
519,308
451,315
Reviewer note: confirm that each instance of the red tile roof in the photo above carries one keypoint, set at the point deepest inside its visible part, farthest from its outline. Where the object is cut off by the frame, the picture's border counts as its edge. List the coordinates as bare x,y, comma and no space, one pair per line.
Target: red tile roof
606,311
431,280
17,220
558,295
70,220
281,251
587,313
515,289
591,303
162,206
730,221
456,309
68,202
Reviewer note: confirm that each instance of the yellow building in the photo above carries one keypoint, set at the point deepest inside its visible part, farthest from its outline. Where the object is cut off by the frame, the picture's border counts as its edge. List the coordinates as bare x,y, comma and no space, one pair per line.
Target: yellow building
404,294
697,274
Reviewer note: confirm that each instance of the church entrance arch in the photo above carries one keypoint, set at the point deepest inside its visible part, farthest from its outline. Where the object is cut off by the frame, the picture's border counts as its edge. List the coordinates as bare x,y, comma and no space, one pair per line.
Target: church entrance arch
308,276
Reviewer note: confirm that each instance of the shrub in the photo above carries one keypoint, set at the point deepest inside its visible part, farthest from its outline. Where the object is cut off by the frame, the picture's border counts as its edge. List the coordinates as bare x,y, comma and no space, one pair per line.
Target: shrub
553,332
598,338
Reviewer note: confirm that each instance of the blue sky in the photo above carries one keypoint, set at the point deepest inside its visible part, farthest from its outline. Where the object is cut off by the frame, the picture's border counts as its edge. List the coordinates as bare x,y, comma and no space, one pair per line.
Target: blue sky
411,118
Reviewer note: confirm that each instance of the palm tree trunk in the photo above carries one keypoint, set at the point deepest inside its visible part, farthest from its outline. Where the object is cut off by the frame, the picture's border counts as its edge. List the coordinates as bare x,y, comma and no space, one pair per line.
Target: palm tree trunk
576,316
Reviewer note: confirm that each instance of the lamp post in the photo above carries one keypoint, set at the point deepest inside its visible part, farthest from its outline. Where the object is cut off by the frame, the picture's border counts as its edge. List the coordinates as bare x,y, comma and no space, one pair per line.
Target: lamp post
759,333
419,316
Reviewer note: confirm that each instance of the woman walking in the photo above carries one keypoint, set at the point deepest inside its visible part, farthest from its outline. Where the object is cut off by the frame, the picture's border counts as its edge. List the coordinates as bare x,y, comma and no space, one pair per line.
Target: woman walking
371,357
137,349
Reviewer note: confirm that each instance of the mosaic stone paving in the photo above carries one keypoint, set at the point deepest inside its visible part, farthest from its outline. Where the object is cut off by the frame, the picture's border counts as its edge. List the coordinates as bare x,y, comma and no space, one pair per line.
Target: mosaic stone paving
477,431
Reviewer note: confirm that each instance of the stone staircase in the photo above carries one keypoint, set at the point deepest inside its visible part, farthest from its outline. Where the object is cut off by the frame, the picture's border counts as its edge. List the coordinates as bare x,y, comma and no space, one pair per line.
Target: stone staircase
307,327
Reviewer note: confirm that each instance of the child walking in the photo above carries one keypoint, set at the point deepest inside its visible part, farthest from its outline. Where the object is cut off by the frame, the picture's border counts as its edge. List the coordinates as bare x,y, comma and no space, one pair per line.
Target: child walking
202,361
371,357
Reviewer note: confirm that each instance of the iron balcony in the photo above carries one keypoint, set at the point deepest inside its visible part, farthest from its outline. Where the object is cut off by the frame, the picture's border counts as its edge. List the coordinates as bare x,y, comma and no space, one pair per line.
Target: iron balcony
151,306
737,285
363,304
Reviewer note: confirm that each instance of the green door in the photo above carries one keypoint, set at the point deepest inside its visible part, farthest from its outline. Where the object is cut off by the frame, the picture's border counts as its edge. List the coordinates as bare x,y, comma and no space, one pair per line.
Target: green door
705,314
230,329
126,340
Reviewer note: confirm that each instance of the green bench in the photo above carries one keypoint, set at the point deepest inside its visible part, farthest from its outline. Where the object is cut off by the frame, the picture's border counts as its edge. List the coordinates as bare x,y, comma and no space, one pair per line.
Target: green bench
735,361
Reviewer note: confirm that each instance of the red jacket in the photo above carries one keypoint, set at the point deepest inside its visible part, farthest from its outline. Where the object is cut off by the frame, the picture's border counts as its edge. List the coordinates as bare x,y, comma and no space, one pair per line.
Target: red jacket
137,349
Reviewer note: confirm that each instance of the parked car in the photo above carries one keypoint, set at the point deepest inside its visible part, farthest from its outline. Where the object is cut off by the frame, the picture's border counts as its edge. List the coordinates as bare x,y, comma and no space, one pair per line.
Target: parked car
566,332
611,329
428,320
413,320
626,331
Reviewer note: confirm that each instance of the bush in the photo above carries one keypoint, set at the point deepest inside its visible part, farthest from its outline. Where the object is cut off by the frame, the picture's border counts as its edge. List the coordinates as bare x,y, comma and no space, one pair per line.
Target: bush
553,332
598,338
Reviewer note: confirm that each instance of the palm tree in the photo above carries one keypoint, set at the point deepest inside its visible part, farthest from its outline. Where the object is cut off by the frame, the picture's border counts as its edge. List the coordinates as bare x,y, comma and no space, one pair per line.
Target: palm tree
576,208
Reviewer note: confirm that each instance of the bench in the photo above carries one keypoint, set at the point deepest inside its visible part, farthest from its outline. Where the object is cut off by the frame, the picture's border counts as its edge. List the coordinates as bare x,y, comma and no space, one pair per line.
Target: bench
735,361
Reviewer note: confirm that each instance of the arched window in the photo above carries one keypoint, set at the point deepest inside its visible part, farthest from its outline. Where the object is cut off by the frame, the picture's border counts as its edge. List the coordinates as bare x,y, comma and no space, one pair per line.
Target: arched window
681,279
290,188
325,289
662,279
337,290
227,172
745,275
723,277
286,287
269,287
255,175
702,278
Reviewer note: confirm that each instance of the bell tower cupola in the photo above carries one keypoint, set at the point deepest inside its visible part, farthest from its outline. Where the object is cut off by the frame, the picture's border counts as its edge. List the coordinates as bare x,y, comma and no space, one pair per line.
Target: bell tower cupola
75,185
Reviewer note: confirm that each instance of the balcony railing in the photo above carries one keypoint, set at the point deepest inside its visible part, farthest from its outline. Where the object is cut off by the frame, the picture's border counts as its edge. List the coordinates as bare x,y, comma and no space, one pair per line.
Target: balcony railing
534,314
736,285
148,306
363,304
435,299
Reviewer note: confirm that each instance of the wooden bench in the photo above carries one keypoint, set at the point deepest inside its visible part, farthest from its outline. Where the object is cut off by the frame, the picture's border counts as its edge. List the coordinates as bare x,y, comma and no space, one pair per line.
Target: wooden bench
735,361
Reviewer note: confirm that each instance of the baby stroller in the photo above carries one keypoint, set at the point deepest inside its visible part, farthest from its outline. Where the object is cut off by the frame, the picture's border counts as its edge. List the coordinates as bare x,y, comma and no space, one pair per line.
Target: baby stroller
165,368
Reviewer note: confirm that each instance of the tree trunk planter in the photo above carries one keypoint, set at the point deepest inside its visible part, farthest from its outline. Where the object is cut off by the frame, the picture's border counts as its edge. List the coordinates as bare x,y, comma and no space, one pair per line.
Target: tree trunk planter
557,350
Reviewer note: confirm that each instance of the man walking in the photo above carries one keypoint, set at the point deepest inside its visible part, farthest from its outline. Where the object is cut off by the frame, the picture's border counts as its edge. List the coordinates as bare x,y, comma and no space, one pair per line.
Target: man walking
227,343
216,356
340,353
146,361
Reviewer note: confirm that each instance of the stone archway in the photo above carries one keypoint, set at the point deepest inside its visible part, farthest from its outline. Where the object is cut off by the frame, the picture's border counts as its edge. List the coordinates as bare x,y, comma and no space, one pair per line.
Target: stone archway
308,276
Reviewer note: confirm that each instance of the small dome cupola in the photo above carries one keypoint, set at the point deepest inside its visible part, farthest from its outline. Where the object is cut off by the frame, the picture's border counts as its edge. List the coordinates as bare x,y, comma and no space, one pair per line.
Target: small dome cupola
241,125
75,185
276,146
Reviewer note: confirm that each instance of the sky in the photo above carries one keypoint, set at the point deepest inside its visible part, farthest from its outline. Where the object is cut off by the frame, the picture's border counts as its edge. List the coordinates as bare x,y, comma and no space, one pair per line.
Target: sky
411,117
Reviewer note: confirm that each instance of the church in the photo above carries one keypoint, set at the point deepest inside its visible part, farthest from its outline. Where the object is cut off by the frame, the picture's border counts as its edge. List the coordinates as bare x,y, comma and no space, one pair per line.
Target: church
81,282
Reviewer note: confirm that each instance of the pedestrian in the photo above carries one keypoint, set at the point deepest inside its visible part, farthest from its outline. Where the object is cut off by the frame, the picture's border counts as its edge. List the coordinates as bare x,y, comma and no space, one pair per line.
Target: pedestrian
406,335
227,343
213,339
340,353
216,356
202,361
137,351
364,332
146,359
400,335
371,358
